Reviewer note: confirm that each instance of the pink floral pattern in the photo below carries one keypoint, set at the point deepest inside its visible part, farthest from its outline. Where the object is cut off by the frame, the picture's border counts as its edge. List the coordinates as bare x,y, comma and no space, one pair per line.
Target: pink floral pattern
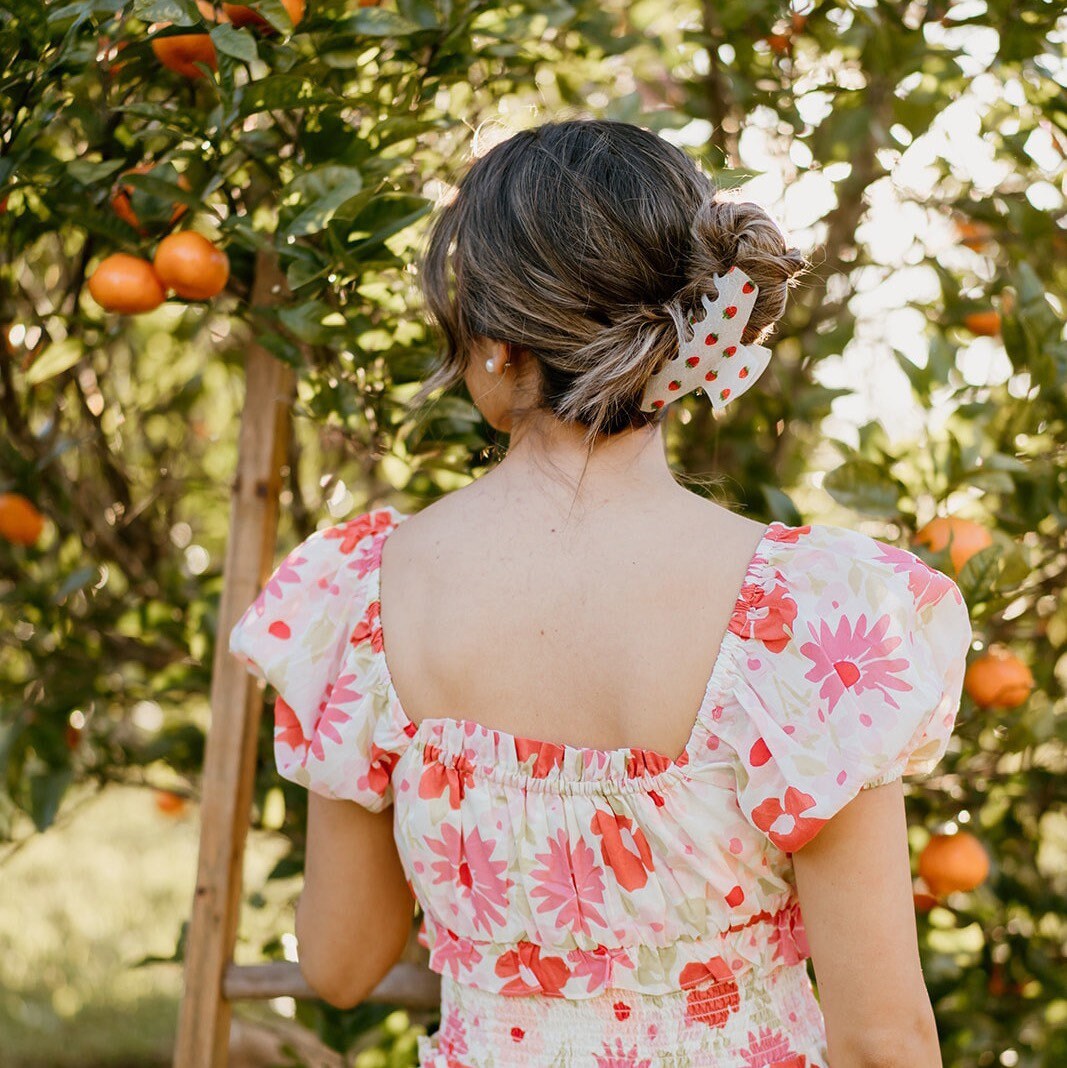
619,880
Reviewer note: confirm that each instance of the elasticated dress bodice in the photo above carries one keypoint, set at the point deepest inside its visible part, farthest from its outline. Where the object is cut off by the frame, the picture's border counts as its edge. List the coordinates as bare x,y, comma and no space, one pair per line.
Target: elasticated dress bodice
606,906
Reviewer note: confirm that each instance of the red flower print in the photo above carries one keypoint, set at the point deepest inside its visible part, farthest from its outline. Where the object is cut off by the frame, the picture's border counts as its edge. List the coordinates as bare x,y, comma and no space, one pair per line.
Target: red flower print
714,995
330,715
284,574
646,762
467,862
801,829
452,1034
548,755
368,628
766,1049
570,883
517,1034
287,728
437,776
620,1058
764,611
598,965
350,534
530,973
855,659
380,773
926,584
787,535
621,1010
789,938
624,849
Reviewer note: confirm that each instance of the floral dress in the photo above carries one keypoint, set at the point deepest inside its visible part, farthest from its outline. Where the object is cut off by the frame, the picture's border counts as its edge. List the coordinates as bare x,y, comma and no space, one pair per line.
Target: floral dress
623,908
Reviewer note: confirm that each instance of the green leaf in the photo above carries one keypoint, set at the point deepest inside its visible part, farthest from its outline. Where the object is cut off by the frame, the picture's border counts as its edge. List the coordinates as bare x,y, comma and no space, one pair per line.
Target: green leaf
780,505
88,172
864,486
233,42
281,92
321,192
46,793
76,580
181,12
377,22
978,576
57,358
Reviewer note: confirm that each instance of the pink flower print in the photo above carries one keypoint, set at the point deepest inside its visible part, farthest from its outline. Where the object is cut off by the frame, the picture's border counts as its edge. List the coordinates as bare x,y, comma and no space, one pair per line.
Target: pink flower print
452,1034
330,715
350,534
620,1058
714,994
570,882
783,823
528,972
451,951
764,611
598,965
766,1049
467,862
369,628
437,776
926,584
288,729
853,658
789,938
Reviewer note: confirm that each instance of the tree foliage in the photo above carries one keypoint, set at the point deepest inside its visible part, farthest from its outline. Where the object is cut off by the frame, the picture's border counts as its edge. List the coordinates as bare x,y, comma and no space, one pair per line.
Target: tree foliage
322,148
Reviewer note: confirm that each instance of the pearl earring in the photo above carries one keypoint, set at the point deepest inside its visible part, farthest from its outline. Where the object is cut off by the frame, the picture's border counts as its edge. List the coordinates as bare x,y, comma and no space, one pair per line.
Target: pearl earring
489,365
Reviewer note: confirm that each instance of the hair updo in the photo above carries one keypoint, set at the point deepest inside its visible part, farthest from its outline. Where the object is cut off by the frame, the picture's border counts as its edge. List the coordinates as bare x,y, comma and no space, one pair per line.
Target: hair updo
588,242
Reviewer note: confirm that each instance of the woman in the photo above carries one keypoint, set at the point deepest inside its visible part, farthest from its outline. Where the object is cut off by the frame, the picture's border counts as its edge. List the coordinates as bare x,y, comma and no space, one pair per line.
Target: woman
624,736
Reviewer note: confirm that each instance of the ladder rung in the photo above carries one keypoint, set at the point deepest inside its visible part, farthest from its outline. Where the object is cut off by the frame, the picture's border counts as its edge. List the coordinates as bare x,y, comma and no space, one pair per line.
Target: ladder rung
411,986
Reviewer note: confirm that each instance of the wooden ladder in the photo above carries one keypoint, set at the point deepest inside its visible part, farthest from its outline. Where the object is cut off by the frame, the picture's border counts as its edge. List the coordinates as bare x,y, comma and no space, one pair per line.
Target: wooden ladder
212,981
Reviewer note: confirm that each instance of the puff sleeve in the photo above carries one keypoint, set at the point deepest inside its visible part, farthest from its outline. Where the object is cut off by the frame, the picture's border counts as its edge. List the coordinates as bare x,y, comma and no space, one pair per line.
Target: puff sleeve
312,634
862,686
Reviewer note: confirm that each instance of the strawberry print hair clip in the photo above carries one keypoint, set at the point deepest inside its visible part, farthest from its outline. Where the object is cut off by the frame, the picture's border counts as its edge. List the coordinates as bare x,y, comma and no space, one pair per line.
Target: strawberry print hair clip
715,360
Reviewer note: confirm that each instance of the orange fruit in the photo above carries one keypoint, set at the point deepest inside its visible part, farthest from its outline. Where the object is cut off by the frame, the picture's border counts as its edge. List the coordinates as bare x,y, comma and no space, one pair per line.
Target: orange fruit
243,15
191,265
20,522
963,538
983,323
998,679
182,53
952,862
924,900
126,284
170,803
120,198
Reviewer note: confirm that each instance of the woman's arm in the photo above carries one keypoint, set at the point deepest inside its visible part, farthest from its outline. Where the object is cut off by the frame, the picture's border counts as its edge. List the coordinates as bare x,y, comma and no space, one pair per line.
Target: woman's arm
854,884
354,915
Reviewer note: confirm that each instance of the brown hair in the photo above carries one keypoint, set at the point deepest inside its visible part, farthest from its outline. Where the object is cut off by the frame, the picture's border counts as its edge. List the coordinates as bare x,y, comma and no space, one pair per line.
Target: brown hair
588,242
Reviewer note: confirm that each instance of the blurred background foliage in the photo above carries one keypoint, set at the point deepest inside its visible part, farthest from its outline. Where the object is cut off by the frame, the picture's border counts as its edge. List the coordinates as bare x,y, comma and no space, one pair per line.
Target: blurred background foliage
914,150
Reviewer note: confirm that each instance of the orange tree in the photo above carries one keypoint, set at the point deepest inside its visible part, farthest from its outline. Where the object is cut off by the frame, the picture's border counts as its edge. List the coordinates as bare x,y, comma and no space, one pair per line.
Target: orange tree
315,141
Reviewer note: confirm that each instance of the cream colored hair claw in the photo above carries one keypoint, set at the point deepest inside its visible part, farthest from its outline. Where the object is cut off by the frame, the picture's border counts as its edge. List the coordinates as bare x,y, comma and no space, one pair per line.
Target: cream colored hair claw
714,360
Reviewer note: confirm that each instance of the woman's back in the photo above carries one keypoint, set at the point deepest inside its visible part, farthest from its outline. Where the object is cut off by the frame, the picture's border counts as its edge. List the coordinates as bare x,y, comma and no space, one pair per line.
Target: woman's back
626,606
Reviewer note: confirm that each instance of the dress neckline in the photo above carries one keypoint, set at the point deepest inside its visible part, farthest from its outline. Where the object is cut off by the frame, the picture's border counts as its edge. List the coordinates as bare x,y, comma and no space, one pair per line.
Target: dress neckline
715,686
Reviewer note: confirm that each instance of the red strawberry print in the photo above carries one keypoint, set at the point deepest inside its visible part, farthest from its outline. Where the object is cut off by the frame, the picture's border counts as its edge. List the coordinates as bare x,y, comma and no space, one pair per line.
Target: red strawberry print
725,393
711,339
675,385
729,313
730,351
692,361
711,376
743,373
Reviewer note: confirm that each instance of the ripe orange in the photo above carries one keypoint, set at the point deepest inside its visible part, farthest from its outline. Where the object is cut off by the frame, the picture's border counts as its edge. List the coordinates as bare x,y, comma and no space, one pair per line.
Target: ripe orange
170,803
126,284
182,52
243,15
998,679
963,537
951,862
924,900
983,323
191,265
20,522
120,198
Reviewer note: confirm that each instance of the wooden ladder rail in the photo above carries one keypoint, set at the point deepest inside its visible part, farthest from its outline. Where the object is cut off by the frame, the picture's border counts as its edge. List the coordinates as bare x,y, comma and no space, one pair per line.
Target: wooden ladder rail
211,979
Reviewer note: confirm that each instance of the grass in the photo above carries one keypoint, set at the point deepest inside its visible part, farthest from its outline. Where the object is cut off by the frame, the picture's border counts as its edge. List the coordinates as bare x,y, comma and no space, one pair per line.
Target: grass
79,905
